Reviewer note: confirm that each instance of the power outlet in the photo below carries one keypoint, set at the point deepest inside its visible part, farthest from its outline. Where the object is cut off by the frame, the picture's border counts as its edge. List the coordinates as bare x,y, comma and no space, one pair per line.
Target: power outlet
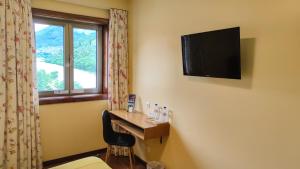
170,117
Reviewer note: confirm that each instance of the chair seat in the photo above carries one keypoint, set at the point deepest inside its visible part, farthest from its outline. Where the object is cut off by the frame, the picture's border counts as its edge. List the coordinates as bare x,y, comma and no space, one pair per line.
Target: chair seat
123,139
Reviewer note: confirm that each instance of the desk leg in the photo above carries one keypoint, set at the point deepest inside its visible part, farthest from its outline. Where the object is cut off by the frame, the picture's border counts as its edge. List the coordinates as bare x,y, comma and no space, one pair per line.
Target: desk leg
132,154
130,158
161,139
108,150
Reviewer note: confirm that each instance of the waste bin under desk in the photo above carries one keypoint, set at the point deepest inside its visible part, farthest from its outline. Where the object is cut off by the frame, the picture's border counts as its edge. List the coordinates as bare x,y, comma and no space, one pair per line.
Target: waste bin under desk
140,126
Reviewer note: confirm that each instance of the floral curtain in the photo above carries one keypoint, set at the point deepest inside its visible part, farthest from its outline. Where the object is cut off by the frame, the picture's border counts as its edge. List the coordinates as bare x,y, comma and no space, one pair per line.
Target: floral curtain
118,67
118,60
19,117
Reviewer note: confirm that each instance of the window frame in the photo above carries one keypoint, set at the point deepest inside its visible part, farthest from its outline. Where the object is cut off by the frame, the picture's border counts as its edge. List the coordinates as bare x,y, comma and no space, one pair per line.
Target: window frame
70,21
66,54
98,59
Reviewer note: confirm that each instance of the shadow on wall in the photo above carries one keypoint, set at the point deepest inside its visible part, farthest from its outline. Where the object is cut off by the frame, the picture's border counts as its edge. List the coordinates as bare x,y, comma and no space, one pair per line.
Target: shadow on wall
175,154
247,64
172,152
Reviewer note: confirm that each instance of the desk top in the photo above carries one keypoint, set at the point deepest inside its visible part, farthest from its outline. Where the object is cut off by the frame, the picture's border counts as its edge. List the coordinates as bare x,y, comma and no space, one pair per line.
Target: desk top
139,119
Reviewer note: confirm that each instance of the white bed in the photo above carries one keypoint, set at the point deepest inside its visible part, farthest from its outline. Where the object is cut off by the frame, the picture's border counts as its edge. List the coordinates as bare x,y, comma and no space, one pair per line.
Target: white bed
85,163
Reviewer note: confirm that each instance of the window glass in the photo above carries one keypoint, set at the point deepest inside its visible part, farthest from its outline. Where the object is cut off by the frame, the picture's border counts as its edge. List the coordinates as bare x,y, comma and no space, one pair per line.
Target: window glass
68,57
50,57
85,58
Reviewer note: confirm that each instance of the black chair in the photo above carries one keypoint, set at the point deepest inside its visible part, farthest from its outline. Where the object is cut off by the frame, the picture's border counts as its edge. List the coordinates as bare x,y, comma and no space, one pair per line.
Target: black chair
114,138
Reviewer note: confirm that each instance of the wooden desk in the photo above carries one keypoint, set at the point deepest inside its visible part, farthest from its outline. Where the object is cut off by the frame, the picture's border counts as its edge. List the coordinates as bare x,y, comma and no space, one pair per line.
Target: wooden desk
139,125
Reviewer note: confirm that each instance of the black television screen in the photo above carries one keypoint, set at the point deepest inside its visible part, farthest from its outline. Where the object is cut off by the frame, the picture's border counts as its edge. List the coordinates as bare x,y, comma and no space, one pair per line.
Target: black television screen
212,54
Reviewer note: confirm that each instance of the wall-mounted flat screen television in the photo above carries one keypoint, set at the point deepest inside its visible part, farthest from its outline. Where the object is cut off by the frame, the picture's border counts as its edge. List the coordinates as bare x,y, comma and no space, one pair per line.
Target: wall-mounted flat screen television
212,54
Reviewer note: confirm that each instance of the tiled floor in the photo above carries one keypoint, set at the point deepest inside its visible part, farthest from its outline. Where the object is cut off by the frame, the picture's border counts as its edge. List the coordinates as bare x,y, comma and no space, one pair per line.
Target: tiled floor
122,162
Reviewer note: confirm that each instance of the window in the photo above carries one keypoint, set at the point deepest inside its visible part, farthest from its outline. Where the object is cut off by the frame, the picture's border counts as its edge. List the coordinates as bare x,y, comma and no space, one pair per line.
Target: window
69,58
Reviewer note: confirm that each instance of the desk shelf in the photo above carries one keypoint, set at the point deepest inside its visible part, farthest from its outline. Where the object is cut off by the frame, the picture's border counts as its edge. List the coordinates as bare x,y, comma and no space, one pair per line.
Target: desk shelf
139,125
138,132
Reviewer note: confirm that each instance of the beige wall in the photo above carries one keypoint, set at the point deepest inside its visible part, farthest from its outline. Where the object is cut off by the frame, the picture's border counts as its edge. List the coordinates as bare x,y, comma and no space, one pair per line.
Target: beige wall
95,8
73,128
101,4
221,123
69,8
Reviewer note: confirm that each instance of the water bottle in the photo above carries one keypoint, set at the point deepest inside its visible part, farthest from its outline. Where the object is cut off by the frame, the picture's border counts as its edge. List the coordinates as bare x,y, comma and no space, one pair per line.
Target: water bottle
148,109
165,115
154,112
158,114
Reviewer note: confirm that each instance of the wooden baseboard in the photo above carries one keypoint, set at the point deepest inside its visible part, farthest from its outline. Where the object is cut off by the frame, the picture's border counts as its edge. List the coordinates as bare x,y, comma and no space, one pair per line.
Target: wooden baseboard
55,162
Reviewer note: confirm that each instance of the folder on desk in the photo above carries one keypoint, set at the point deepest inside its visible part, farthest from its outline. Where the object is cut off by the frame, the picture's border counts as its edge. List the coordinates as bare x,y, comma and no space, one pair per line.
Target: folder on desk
131,102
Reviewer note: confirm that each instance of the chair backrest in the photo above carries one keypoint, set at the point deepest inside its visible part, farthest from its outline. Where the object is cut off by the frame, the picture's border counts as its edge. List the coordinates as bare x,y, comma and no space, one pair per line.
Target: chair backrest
108,133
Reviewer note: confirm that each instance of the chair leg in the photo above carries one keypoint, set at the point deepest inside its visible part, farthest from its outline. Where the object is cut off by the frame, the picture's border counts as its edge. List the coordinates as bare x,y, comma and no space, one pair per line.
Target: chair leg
130,158
108,150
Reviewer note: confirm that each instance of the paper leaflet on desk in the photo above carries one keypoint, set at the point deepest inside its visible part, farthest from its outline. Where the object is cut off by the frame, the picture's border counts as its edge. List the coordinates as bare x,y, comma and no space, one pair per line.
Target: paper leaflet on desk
131,102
